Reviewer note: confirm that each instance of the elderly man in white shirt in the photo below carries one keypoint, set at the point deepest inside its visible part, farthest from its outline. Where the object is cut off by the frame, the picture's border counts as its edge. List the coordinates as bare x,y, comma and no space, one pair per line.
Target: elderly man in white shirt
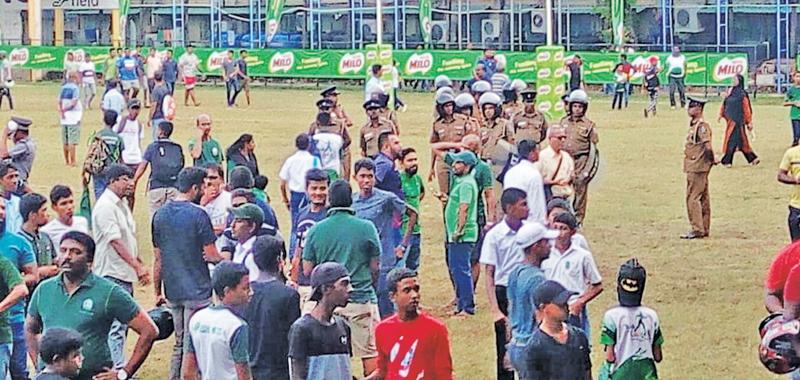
526,177
556,165
116,256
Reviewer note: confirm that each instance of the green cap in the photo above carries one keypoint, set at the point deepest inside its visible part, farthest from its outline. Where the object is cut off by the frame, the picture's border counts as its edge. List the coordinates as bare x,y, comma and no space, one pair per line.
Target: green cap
249,211
466,157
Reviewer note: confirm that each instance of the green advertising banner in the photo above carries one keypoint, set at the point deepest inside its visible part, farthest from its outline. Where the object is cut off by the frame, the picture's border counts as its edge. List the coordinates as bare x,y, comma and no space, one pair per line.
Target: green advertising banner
274,9
425,25
713,69
381,54
550,83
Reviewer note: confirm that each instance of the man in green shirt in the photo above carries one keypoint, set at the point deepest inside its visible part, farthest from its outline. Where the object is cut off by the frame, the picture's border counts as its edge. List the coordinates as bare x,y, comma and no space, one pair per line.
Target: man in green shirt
33,208
88,304
110,66
461,222
793,100
209,150
414,192
353,242
12,290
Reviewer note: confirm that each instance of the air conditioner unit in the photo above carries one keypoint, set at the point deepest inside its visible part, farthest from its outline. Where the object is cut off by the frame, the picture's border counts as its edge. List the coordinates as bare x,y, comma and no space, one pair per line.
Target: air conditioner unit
538,21
439,32
686,20
369,27
490,30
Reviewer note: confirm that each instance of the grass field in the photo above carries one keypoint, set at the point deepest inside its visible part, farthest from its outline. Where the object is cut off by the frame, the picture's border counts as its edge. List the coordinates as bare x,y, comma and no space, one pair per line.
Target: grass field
708,293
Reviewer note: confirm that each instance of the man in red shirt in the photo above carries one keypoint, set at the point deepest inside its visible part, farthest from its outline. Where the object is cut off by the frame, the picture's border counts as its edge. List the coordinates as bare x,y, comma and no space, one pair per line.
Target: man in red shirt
782,286
411,344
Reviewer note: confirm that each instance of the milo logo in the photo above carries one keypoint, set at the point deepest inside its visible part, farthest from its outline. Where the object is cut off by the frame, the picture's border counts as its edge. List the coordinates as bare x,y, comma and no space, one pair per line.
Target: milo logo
544,89
419,63
351,63
559,56
77,55
544,73
545,106
559,107
281,62
728,68
559,72
560,90
272,27
19,57
215,59
642,64
543,56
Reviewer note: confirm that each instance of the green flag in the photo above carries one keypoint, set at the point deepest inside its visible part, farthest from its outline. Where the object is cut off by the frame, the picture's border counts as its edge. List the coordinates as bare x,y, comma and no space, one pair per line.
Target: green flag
618,21
425,20
274,9
124,7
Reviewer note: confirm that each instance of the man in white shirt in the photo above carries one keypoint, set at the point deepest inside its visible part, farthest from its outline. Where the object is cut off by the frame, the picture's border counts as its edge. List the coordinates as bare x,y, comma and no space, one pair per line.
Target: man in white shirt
556,165
575,269
676,71
113,100
247,220
526,177
216,201
88,85
189,66
63,203
6,80
116,256
374,86
153,64
293,175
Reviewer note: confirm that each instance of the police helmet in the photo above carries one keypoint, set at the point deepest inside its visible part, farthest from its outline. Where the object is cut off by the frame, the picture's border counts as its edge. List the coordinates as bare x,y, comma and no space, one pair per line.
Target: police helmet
444,98
578,96
480,87
442,81
490,98
464,100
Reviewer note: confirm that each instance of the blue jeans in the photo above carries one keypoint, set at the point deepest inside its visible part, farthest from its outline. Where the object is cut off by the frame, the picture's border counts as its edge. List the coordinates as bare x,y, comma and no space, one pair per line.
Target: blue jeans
5,359
296,202
413,250
516,353
582,322
119,330
154,127
19,352
100,183
461,272
232,90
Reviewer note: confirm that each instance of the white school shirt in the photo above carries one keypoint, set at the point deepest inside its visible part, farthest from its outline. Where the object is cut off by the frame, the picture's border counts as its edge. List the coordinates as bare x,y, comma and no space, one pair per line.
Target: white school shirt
574,269
294,170
526,177
499,249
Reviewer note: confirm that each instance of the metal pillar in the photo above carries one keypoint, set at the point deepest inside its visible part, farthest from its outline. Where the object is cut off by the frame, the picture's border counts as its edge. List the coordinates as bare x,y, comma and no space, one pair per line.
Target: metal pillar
722,24
215,18
403,24
666,25
178,24
358,22
469,26
396,22
511,33
782,40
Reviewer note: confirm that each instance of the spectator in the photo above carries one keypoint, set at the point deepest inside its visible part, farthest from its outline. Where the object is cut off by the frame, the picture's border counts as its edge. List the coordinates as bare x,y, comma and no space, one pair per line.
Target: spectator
128,74
575,77
499,79
489,63
110,66
170,70
12,292
386,178
209,151
63,203
526,177
33,208
9,180
247,220
166,159
308,216
556,166
117,256
22,152
6,80
105,150
293,174
461,223
189,65
131,132
183,244
352,242
216,200
319,342
218,346
414,192
232,85
60,350
271,311
71,111
241,178
260,183
676,73
88,76
113,100
158,96
558,206
478,73
374,86
153,65
411,344
75,290
242,153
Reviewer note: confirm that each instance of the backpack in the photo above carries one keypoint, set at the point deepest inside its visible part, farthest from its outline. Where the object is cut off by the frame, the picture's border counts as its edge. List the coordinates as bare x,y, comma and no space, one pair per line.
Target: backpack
168,161
99,156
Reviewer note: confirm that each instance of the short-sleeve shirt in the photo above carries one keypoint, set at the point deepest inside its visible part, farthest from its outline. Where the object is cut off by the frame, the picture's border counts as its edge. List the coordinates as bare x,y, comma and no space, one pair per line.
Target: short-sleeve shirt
791,163
42,246
413,187
526,177
380,208
69,93
786,259
13,216
325,347
695,159
114,143
180,230
22,153
417,349
110,68
522,283
386,178
170,68
501,251
547,358
157,97
211,152
55,229
113,100
793,96
575,269
128,68
189,64
270,314
220,339
113,220
131,132
676,66
9,278
633,331
348,240
464,191
87,72
306,219
294,170
16,249
483,178
90,310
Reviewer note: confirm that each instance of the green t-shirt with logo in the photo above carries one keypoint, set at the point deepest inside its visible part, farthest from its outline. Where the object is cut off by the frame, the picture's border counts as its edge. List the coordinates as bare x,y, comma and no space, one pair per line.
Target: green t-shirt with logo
211,152
793,95
464,191
483,178
9,278
412,189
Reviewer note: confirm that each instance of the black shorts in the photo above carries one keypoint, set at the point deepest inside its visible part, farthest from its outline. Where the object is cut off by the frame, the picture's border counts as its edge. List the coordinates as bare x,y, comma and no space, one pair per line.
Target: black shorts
475,257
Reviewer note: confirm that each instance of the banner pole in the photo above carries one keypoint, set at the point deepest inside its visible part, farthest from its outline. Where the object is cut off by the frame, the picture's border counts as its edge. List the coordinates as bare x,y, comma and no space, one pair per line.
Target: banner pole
548,20
379,21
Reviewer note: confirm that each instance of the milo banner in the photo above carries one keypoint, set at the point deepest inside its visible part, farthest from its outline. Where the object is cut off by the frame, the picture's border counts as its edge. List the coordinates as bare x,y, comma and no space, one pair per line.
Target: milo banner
381,54
425,25
550,84
714,69
274,9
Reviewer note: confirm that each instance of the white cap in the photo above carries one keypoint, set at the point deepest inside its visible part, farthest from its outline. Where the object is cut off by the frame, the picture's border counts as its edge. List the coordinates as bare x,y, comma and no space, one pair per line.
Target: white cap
532,232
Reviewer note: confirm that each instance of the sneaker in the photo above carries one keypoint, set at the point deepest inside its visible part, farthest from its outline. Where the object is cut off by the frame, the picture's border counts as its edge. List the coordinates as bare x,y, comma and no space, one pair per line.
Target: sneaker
672,107
755,162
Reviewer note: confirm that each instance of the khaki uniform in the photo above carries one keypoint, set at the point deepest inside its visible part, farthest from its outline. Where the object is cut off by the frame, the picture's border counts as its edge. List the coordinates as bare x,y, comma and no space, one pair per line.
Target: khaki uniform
491,133
391,116
477,113
337,127
697,163
581,135
529,127
452,131
368,139
339,114
510,110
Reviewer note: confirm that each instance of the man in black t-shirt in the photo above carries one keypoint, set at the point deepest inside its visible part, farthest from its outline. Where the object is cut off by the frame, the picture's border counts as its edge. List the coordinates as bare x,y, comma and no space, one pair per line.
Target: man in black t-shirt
165,158
271,311
574,67
308,216
157,97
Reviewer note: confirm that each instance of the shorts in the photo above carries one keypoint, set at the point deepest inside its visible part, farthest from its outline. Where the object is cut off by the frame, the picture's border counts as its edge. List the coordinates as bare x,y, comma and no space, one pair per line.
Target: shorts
306,305
70,134
189,82
89,87
362,319
129,84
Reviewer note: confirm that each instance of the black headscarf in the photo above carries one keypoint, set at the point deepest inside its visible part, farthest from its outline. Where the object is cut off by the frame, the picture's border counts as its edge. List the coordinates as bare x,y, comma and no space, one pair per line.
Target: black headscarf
734,103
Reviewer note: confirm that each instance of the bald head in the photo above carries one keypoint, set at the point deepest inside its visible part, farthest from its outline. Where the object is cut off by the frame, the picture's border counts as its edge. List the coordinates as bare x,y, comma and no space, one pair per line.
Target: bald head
204,122
471,142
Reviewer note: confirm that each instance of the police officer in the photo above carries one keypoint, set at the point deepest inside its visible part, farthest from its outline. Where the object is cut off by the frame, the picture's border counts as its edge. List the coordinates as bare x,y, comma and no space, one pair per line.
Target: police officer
529,124
581,144
511,93
448,127
439,92
23,151
477,90
697,162
327,122
493,127
338,112
442,81
388,113
375,126
465,104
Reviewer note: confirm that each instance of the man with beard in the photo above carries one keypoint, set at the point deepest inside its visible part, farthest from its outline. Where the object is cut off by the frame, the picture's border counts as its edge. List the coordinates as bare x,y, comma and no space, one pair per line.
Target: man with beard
411,344
529,124
386,178
581,144
461,222
375,126
117,258
414,192
331,139
449,127
183,245
308,216
88,304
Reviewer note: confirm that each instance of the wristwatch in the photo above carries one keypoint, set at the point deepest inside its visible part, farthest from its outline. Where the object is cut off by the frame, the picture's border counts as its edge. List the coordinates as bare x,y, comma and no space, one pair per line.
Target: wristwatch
122,374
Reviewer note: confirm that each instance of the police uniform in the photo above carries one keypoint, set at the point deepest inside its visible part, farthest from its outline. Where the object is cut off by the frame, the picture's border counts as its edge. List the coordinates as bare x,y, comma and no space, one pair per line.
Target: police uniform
336,126
510,110
491,132
369,134
580,144
697,163
449,131
529,126
338,111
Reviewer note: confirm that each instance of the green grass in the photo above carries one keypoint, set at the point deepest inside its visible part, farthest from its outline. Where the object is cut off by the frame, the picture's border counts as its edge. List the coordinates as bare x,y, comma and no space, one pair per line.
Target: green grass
708,293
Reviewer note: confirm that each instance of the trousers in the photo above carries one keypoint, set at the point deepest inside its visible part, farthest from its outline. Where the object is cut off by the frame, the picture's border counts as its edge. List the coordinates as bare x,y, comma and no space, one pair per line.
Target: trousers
698,203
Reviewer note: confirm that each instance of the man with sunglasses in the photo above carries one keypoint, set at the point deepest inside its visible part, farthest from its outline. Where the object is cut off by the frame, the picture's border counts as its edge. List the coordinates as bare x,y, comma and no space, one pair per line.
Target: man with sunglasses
204,148
556,165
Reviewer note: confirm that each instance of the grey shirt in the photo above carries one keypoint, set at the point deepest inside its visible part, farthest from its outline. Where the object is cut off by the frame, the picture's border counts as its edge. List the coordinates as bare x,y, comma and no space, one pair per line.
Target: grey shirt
22,155
229,66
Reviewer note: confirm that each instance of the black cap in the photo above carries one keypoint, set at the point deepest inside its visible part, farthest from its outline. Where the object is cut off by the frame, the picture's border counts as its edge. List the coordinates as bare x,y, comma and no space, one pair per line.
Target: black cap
22,124
325,274
372,103
324,103
695,102
528,96
630,283
329,91
551,292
